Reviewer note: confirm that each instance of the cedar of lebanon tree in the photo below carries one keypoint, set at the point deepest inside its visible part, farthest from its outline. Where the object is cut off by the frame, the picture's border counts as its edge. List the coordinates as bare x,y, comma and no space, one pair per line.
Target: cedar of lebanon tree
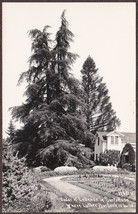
53,123
99,113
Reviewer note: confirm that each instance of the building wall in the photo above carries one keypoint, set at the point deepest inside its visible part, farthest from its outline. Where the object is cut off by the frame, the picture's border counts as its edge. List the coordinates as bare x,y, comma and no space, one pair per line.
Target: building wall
109,144
115,145
104,146
98,148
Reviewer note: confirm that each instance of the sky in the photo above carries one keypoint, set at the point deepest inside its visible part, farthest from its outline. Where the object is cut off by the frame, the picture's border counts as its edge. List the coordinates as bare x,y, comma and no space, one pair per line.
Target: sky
105,31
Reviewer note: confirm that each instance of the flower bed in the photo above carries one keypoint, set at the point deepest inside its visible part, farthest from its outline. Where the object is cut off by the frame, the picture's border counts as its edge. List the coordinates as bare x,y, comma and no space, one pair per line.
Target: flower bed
114,185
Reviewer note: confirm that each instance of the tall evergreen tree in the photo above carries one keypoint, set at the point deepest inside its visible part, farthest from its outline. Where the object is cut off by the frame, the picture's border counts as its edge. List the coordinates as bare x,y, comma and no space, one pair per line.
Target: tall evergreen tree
53,123
99,113
11,132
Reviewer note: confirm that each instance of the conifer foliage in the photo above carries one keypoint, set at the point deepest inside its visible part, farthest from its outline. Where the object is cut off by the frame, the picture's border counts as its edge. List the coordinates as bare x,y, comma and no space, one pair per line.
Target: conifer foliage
11,132
22,191
53,122
99,113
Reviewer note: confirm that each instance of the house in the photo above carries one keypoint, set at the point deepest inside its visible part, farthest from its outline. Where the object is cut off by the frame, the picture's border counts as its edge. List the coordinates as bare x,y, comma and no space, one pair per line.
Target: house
112,141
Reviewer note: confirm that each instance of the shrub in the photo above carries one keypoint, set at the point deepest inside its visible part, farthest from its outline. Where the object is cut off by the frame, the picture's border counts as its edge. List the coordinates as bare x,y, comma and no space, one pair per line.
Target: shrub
65,153
127,166
110,157
21,189
44,169
73,161
65,169
130,157
133,168
104,169
87,152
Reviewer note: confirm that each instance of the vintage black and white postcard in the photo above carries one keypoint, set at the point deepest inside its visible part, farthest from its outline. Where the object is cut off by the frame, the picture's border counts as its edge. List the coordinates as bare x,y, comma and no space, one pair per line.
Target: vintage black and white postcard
69,129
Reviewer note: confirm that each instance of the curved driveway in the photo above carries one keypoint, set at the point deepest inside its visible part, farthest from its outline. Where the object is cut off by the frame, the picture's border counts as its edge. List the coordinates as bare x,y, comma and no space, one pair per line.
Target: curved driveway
71,190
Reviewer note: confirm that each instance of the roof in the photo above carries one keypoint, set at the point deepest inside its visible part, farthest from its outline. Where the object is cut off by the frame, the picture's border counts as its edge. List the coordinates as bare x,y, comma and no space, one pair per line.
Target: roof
102,134
128,137
112,132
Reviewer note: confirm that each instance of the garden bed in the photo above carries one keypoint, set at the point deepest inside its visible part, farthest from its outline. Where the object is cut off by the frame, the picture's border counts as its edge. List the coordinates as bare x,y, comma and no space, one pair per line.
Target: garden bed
108,184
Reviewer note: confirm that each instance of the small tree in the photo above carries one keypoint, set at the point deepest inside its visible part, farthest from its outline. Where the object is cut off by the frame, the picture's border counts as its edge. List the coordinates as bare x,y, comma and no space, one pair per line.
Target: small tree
127,155
21,190
110,157
11,132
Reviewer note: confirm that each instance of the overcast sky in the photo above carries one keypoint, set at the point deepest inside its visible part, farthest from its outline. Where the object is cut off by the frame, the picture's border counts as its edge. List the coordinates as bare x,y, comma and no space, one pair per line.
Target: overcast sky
105,31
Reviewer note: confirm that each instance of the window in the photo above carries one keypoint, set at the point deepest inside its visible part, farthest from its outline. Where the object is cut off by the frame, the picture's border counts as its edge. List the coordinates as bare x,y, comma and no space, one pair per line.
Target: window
105,137
112,139
116,139
98,141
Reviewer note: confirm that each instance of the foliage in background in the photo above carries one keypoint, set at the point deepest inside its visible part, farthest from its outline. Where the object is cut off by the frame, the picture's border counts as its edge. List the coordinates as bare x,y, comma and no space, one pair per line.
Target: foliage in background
53,111
110,157
21,190
11,132
100,115
127,159
66,154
